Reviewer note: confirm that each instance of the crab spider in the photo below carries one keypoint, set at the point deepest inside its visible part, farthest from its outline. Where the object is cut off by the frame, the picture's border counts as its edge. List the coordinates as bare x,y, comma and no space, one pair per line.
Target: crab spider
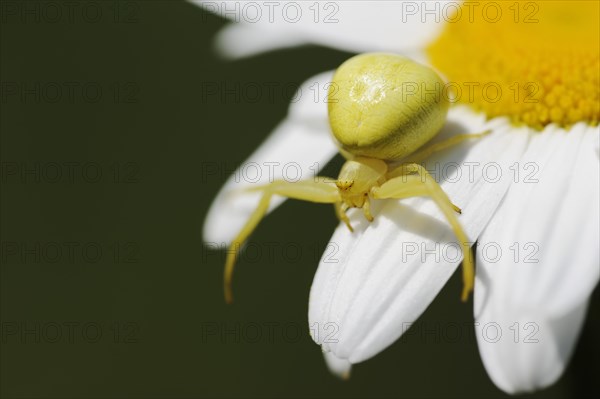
382,109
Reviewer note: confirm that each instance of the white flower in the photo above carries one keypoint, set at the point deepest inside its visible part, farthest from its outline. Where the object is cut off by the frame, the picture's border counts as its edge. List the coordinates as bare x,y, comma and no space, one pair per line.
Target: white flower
542,214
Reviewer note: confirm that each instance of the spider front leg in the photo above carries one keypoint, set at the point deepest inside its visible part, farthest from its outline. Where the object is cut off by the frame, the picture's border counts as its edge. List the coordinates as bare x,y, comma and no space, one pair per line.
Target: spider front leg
367,209
414,168
415,181
321,190
340,211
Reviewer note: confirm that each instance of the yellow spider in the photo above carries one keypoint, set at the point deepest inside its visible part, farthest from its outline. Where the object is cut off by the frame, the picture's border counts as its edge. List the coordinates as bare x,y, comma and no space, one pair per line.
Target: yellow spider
382,109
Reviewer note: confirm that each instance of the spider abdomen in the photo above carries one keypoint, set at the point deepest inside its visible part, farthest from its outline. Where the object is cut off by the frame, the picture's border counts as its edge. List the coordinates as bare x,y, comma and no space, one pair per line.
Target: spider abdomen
385,106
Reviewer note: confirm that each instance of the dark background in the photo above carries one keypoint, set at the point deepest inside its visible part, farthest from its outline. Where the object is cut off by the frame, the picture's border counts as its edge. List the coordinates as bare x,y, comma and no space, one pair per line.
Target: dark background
107,290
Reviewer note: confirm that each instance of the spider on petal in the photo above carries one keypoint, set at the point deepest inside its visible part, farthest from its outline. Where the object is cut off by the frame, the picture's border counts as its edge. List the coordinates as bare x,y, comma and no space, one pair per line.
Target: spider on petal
381,112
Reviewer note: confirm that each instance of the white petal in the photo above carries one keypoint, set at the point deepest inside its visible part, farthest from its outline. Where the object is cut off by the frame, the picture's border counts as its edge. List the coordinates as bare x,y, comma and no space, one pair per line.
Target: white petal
524,350
339,367
244,40
548,231
373,292
299,147
355,26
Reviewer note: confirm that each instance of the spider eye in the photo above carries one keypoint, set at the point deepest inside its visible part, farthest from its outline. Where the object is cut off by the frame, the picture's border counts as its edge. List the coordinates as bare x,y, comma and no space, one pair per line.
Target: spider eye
344,184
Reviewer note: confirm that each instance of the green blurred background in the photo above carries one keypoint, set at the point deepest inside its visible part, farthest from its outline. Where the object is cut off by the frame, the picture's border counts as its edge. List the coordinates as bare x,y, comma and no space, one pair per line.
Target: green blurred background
107,290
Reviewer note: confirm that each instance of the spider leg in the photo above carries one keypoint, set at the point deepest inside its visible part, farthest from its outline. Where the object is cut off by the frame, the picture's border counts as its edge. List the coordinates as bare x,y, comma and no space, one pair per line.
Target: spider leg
406,169
322,190
417,182
340,211
367,209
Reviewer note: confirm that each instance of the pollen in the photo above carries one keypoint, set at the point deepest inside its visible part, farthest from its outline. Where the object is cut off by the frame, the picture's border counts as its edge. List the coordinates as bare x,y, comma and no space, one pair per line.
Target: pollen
536,62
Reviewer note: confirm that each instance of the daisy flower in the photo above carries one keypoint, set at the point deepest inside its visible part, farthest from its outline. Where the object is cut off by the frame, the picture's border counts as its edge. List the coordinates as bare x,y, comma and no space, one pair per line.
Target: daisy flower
529,192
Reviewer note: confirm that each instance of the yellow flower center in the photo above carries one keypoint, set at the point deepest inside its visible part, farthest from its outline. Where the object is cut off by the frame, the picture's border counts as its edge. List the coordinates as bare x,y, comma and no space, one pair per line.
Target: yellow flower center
537,62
